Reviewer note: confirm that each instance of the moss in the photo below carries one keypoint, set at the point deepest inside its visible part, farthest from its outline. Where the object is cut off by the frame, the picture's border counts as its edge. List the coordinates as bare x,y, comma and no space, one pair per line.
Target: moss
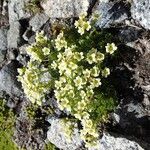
7,121
6,142
49,146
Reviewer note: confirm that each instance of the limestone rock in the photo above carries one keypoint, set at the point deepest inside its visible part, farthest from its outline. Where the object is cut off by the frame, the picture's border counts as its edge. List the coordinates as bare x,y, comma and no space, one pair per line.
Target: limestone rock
111,13
65,8
38,21
140,11
109,142
3,44
8,80
56,136
13,36
16,9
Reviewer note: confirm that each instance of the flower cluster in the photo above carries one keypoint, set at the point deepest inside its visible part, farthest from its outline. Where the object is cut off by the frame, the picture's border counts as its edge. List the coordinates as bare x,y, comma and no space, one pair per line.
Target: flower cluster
60,42
74,90
35,77
76,71
82,25
37,51
35,81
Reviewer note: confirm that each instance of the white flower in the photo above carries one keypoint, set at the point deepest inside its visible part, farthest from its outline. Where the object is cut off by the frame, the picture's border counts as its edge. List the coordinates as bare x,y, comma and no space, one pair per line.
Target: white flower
54,65
105,72
71,93
91,58
87,26
57,84
86,73
46,51
67,72
100,56
111,48
68,52
78,56
60,42
62,66
81,105
96,82
62,79
95,71
78,82
60,56
82,94
72,66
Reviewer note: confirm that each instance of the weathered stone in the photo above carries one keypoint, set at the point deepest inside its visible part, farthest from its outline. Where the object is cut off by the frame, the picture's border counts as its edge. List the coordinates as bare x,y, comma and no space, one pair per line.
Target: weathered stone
129,34
111,13
38,21
133,111
56,136
13,36
65,8
3,44
140,11
17,10
8,80
109,142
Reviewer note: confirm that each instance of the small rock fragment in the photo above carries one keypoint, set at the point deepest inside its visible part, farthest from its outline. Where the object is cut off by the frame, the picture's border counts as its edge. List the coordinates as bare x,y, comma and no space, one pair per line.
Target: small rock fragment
38,21
8,80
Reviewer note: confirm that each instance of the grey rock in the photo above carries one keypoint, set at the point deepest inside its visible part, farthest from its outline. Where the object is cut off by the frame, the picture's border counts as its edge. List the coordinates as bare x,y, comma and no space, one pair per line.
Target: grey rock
31,39
129,34
57,136
17,14
133,111
3,44
16,9
22,59
8,80
38,21
111,13
11,55
140,11
109,142
64,8
22,49
13,36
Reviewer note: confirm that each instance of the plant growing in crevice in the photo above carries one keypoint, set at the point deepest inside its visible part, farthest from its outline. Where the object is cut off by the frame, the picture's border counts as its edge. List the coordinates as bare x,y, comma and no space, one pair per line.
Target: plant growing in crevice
73,64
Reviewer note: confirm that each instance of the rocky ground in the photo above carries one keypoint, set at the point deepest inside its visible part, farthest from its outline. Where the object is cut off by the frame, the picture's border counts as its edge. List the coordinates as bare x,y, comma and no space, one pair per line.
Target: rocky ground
129,21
